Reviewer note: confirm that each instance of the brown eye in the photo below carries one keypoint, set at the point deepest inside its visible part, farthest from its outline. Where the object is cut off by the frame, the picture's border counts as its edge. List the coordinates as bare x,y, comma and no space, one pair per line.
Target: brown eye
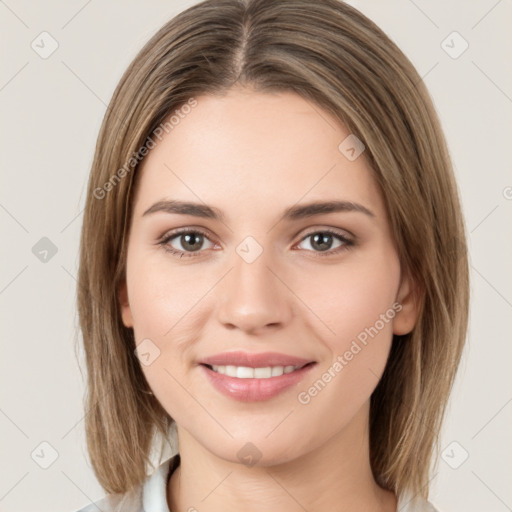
322,241
188,242
191,241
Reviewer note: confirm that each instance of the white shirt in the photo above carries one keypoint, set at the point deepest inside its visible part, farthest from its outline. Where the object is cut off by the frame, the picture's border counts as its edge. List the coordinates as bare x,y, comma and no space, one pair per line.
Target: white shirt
152,496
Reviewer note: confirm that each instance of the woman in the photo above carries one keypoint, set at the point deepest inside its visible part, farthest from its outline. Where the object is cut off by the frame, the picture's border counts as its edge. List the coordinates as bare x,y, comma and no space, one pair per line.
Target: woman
272,267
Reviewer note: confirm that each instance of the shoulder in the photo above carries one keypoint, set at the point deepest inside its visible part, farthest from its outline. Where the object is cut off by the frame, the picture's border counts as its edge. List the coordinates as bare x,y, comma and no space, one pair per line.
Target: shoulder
129,502
409,503
151,495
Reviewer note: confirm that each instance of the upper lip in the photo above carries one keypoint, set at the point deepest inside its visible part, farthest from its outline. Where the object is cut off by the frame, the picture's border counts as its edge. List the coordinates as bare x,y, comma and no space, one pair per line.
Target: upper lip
251,360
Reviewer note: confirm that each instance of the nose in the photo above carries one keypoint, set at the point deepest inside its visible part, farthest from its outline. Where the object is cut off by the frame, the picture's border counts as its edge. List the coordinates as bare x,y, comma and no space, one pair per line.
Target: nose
254,297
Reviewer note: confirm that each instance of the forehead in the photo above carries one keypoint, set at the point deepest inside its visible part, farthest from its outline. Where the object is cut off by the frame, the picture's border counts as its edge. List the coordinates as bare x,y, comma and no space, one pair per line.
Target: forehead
266,148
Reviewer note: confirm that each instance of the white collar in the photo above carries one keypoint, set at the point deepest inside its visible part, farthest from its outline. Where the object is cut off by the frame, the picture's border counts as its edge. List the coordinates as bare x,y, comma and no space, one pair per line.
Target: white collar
154,492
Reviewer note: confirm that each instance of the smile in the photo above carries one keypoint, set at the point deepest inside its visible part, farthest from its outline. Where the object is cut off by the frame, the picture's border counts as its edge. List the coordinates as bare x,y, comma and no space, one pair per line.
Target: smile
245,372
246,384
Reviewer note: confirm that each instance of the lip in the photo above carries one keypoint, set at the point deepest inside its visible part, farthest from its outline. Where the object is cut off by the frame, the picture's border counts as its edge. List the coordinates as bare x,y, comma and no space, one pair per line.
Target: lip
250,360
254,390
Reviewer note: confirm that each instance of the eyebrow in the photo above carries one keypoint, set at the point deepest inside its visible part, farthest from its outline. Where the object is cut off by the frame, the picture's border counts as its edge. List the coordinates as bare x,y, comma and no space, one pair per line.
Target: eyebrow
290,214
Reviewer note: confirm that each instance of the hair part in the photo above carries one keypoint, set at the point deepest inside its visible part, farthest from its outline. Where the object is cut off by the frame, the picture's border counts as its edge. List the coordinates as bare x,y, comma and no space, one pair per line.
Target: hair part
332,55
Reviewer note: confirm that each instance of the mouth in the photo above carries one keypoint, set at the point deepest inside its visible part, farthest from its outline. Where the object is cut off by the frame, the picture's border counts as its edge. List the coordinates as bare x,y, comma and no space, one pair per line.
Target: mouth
246,372
247,384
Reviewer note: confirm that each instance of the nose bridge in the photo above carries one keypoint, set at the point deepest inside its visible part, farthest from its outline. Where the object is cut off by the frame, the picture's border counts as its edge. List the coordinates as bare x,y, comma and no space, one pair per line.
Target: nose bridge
252,296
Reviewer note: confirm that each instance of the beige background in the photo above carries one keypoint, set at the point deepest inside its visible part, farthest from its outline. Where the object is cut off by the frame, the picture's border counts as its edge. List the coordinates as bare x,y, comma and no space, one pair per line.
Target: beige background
51,110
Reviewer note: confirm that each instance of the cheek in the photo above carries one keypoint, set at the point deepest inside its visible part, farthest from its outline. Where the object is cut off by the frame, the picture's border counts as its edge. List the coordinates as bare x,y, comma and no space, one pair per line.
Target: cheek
358,307
165,324
161,295
350,299
168,309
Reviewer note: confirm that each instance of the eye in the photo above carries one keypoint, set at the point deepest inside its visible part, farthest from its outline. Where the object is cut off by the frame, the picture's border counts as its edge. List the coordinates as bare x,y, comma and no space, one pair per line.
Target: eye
190,241
322,241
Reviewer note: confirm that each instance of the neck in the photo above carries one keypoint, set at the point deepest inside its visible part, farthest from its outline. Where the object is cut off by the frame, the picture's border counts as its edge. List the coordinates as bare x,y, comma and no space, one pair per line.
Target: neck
337,477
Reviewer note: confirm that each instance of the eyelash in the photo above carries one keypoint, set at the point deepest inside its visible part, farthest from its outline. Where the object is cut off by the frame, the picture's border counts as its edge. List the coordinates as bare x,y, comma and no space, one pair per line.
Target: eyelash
347,243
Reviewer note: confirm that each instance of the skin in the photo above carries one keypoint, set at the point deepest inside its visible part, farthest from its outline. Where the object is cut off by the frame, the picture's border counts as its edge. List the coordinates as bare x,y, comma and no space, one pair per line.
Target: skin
252,155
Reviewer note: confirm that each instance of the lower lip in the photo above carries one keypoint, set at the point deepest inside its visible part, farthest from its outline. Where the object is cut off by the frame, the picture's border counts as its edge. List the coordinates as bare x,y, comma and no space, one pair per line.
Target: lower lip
255,390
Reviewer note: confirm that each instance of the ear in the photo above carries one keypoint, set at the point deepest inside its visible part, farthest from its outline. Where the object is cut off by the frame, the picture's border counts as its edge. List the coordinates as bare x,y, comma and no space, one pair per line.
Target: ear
408,297
126,312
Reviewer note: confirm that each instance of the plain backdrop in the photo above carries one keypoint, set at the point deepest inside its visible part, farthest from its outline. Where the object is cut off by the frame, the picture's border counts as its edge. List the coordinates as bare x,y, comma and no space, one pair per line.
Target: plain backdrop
51,110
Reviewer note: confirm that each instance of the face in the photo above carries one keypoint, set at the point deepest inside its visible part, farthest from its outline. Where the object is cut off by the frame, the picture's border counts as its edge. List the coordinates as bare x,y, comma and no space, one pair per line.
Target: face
259,273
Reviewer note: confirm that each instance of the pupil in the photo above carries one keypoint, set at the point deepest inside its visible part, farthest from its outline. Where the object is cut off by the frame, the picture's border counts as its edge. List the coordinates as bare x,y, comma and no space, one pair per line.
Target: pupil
190,244
320,240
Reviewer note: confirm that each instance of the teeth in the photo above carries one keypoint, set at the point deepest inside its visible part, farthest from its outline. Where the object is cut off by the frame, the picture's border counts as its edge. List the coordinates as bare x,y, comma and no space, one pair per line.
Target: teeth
244,372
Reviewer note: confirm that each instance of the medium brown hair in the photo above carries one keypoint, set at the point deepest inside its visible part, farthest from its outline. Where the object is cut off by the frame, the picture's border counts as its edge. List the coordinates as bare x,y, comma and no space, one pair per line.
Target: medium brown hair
335,57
